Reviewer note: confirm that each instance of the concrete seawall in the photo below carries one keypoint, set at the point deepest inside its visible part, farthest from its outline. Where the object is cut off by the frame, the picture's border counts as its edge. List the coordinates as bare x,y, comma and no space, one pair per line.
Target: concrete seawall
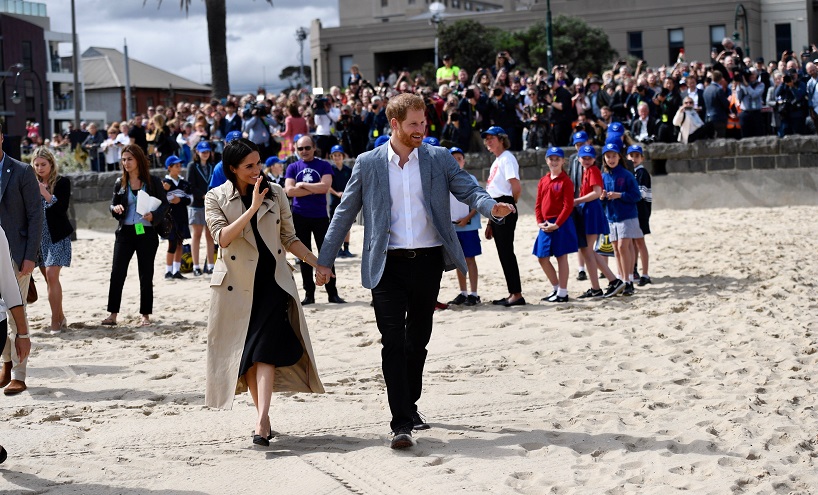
756,172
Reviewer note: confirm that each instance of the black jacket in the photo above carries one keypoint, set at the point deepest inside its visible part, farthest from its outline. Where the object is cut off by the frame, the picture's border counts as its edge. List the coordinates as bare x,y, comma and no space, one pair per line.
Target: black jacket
154,188
56,215
199,180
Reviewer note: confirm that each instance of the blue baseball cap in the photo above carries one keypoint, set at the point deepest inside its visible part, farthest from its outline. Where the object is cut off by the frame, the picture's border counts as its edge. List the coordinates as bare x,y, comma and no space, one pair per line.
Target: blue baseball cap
554,151
381,140
336,149
587,150
615,129
455,149
431,140
615,147
493,131
232,136
172,160
580,137
635,148
203,146
271,160
297,137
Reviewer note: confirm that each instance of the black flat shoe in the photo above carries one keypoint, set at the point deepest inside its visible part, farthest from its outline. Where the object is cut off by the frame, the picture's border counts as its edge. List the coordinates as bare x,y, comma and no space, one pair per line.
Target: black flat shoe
500,302
518,302
308,300
3,455
336,299
260,440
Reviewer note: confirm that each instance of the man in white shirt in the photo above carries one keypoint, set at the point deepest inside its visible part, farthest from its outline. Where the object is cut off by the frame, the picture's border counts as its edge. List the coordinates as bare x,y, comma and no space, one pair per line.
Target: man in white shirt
403,190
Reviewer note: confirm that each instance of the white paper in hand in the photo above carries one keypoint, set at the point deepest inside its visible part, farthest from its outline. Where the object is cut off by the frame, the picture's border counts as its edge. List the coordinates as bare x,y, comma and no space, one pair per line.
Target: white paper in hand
146,203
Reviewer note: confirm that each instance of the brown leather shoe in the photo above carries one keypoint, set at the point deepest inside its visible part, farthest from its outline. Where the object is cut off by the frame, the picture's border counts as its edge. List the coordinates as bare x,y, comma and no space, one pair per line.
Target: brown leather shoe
15,387
5,378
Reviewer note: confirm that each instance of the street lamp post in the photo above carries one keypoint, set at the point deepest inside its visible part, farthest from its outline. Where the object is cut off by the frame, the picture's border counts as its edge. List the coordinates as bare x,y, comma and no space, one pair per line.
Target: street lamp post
301,36
436,9
741,13
17,99
549,39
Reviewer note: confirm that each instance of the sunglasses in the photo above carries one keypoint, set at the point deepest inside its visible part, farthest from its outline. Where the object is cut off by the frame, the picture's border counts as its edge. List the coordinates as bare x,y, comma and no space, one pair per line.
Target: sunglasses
304,148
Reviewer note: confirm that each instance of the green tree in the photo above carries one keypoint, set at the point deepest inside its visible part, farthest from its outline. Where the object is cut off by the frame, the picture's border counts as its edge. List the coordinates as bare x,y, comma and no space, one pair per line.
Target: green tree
216,14
292,75
470,43
583,48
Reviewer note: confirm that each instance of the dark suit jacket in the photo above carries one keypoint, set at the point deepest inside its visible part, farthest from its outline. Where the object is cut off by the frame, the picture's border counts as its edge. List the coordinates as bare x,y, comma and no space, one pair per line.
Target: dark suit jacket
368,190
155,189
56,215
716,104
21,209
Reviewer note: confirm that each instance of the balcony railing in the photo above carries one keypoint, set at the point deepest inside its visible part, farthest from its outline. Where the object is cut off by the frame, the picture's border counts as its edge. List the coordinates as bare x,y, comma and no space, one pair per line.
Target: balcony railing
22,7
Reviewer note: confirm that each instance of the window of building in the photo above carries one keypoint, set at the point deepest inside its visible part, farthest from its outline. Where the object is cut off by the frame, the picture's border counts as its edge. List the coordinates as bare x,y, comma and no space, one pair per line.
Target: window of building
783,38
26,55
28,94
675,43
346,63
411,2
456,4
717,34
635,44
384,3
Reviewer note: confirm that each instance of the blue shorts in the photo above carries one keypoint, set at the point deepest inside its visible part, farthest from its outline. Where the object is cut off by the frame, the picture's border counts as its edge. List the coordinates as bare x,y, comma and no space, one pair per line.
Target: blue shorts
470,242
560,242
594,216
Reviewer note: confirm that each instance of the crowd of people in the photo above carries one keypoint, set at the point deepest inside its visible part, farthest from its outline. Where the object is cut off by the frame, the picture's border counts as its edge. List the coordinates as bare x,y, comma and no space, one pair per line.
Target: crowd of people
257,163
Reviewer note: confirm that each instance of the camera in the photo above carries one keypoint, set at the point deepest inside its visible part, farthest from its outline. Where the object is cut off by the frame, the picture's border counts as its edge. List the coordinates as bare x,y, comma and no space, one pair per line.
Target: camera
319,106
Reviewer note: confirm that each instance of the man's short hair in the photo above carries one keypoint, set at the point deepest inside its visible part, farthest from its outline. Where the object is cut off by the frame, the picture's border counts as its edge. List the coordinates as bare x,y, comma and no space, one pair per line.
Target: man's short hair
399,106
717,77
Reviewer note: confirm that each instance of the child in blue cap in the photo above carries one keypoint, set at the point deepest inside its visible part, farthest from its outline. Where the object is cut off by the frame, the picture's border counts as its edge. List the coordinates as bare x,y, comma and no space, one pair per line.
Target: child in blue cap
643,208
557,236
178,192
593,218
340,177
575,170
467,226
620,194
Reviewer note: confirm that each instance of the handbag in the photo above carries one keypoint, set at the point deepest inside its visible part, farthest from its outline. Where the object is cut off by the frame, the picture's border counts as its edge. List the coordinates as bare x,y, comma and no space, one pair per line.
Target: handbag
32,295
167,226
603,245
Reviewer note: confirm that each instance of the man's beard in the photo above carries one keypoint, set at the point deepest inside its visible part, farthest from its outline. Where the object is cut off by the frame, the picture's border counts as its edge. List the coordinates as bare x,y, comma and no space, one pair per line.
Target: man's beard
406,139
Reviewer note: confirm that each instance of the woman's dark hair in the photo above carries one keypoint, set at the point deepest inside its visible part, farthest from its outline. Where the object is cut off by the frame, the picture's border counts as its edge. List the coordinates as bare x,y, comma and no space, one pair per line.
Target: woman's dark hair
293,110
142,166
234,153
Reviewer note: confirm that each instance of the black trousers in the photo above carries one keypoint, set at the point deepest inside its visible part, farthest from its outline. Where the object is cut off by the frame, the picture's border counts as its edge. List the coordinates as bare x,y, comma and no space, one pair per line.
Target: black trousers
504,240
126,244
305,229
404,302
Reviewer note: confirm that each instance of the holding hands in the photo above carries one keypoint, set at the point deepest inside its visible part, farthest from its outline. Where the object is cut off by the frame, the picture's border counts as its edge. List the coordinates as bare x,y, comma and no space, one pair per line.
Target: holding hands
323,275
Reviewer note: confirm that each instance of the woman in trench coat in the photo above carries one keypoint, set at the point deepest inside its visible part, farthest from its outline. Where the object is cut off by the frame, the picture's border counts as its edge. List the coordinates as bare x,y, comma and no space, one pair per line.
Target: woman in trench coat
257,334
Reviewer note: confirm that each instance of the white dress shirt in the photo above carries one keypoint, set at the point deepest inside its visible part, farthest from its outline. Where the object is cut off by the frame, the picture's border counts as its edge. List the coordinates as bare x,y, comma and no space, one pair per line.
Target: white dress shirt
411,227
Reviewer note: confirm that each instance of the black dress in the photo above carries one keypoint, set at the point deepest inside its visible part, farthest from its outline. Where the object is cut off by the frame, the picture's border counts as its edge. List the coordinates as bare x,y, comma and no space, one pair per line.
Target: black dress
270,337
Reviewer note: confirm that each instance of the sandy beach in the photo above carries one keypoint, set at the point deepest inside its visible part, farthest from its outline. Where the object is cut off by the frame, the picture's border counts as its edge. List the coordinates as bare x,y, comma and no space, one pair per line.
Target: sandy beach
701,382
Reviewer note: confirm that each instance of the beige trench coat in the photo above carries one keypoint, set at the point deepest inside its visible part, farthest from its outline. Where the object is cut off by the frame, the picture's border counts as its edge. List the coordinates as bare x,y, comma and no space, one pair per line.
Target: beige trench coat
232,295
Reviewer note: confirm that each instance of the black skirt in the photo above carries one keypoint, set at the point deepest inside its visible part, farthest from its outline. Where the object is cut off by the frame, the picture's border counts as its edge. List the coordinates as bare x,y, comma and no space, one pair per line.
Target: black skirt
271,338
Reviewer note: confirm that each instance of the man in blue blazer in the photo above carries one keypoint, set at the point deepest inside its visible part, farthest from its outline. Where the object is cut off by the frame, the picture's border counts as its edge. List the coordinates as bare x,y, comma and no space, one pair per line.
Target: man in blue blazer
21,215
409,240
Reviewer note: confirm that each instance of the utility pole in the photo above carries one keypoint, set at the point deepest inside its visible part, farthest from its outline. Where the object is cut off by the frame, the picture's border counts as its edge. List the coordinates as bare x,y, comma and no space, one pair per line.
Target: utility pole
300,36
128,109
76,64
549,37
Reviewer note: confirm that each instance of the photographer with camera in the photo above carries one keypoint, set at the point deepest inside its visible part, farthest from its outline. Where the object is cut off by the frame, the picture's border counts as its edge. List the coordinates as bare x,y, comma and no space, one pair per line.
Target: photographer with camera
256,125
503,113
562,113
324,116
376,121
667,103
535,117
751,99
791,100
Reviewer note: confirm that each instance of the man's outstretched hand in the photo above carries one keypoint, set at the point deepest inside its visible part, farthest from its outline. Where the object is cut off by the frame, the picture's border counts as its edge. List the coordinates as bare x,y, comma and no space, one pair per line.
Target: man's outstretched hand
500,210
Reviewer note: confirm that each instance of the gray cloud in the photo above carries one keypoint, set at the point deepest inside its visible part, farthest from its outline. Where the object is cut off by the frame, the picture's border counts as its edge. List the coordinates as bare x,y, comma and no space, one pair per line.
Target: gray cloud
260,38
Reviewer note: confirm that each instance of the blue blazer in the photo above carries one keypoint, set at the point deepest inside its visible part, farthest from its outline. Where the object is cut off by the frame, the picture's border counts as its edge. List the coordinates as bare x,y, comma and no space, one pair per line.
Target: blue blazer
368,190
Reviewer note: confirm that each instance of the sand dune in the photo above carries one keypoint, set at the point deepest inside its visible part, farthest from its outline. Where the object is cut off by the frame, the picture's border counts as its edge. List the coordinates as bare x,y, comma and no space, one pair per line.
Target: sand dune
700,382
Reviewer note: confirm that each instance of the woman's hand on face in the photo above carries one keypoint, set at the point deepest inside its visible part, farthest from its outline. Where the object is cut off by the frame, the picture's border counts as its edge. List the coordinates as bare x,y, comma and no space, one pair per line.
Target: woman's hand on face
43,189
258,195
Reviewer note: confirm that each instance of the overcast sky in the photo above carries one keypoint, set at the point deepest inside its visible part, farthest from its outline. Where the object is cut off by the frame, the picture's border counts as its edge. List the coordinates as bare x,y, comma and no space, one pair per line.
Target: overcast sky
260,38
